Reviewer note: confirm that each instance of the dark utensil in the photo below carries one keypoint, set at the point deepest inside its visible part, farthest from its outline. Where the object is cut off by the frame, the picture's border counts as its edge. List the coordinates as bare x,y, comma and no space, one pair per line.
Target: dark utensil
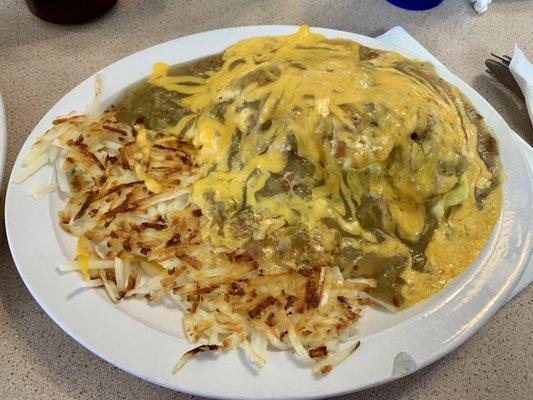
499,69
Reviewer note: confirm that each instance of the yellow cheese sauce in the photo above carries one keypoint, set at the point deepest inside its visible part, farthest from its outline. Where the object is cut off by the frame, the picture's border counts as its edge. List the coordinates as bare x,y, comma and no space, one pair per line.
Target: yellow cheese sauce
313,151
452,248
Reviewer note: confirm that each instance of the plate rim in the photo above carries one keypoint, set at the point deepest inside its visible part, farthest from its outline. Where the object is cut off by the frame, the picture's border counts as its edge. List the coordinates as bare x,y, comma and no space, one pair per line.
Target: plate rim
501,296
3,139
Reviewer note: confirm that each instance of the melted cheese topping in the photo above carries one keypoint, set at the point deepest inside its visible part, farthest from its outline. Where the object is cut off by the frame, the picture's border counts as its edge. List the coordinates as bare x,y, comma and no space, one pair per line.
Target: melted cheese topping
452,247
82,257
144,145
295,133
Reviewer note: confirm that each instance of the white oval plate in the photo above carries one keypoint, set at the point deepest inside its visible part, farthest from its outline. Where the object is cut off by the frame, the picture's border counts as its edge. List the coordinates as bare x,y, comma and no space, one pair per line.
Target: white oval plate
145,340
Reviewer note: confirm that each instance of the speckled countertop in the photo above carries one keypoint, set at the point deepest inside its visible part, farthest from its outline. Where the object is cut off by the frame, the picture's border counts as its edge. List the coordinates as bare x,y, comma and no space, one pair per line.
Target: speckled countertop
40,62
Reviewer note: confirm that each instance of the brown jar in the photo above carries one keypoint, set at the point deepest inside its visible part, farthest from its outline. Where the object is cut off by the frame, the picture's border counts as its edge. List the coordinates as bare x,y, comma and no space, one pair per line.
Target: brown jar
69,11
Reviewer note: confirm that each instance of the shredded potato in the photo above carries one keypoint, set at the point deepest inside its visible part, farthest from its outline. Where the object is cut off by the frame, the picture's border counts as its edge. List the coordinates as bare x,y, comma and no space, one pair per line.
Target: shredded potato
147,243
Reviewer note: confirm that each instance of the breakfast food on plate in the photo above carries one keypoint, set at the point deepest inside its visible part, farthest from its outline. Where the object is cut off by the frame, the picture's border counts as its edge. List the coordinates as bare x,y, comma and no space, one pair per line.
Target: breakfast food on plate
275,190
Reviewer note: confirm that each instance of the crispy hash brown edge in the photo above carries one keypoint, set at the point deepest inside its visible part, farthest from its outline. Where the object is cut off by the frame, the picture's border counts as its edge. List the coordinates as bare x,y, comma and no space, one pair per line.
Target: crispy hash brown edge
129,203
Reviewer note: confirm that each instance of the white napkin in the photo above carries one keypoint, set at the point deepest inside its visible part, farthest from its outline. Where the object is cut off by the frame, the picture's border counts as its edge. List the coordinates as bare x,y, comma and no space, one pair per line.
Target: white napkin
397,36
522,71
481,5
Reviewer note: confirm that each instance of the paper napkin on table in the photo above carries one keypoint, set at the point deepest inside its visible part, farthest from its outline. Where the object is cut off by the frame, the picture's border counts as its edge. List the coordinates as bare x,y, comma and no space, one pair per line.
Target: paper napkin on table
397,36
522,71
